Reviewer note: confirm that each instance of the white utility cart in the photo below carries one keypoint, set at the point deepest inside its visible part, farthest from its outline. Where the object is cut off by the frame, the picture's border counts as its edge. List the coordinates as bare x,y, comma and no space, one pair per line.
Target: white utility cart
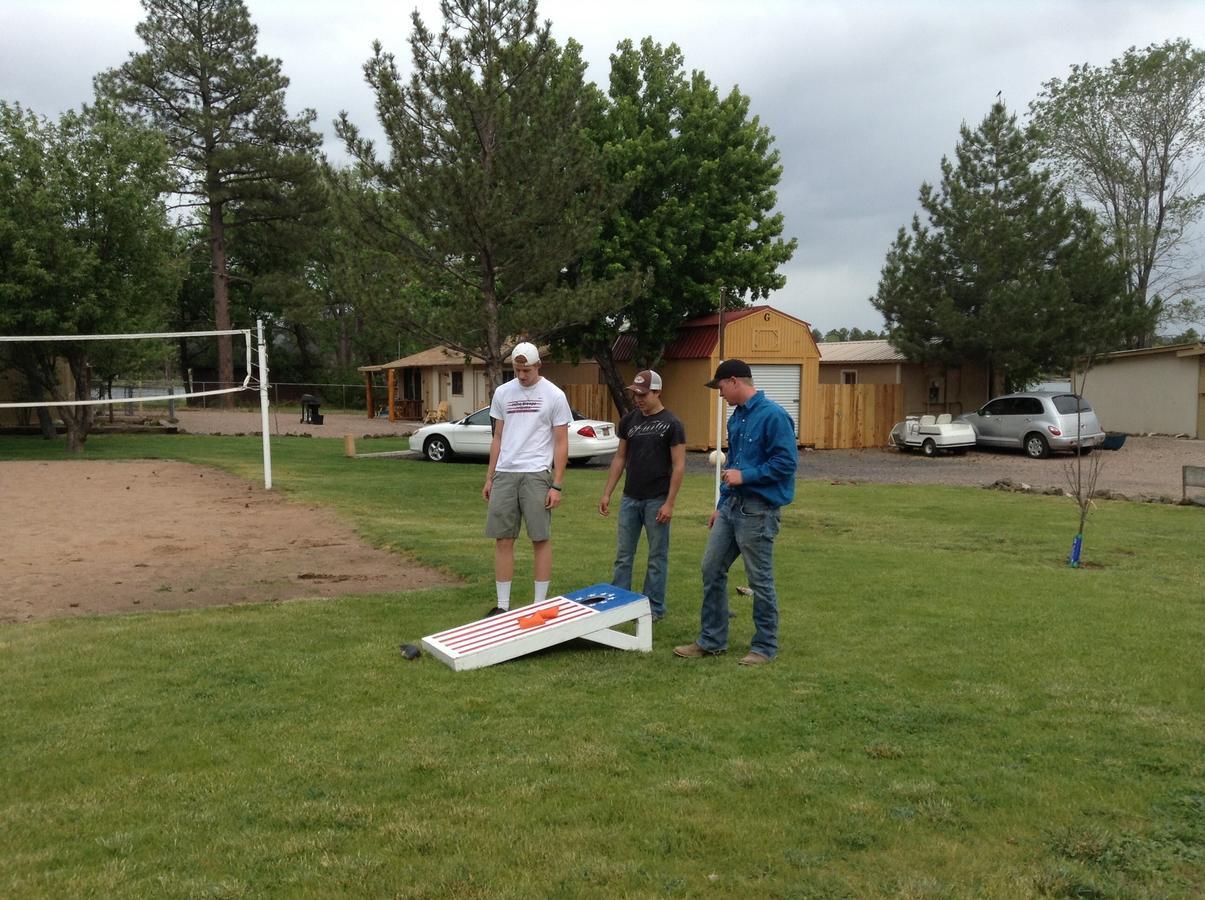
931,434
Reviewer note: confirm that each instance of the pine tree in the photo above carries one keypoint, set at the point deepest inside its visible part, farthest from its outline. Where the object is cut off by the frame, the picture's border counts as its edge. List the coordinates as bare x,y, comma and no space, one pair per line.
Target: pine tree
1005,272
492,189
242,162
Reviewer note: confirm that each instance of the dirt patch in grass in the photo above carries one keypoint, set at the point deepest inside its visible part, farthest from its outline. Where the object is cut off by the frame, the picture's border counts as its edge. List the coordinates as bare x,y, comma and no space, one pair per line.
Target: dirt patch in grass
105,537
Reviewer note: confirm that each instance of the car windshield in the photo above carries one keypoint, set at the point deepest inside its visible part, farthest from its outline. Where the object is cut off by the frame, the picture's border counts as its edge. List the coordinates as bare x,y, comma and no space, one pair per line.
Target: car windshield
1065,404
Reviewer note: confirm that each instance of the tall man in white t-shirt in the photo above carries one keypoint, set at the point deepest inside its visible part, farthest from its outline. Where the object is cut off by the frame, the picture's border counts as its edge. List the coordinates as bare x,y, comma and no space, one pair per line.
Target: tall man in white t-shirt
527,464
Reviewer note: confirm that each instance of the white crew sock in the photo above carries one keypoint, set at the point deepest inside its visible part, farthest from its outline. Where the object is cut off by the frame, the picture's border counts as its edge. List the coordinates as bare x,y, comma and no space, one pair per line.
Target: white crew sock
542,591
503,588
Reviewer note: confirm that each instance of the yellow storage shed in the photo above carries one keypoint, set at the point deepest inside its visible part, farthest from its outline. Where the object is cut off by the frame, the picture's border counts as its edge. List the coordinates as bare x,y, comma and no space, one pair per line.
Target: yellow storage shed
778,348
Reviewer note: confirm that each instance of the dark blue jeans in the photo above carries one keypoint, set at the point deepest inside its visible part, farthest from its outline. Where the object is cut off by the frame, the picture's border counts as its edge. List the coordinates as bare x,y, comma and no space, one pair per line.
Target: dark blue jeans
633,516
747,528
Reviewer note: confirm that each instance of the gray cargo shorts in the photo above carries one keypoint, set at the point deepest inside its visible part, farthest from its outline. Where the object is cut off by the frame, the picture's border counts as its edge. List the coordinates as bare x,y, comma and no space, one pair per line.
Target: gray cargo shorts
515,496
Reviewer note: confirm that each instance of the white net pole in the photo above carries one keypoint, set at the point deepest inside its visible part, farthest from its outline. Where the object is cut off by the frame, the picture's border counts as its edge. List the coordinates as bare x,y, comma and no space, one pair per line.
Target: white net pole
263,401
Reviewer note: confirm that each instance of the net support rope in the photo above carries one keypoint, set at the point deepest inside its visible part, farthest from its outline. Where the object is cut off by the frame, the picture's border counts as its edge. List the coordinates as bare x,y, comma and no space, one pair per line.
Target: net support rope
249,383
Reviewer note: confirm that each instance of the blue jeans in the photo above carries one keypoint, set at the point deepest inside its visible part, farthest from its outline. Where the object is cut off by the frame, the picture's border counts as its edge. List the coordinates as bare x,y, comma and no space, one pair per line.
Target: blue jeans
747,528
634,515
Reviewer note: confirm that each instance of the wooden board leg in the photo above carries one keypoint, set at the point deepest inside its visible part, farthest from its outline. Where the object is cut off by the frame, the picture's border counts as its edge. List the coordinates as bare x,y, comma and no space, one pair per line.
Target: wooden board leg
642,640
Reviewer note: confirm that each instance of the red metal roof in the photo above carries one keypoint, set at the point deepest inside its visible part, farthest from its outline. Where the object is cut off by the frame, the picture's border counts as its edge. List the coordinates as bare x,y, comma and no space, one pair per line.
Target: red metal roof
623,348
691,343
697,338
712,320
695,343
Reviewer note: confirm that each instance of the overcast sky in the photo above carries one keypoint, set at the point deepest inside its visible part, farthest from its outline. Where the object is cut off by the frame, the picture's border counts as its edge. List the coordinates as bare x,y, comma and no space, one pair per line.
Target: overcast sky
863,98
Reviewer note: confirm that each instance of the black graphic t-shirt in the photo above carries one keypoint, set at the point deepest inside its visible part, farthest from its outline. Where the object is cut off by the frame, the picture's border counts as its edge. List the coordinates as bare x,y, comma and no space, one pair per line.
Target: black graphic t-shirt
649,464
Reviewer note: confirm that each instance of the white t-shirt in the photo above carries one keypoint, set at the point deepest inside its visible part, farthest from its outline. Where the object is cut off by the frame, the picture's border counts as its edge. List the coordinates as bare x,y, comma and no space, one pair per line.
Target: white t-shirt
528,416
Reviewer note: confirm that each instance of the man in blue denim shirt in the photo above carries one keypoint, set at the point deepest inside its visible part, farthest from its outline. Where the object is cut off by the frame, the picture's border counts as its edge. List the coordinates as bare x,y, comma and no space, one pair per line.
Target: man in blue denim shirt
758,480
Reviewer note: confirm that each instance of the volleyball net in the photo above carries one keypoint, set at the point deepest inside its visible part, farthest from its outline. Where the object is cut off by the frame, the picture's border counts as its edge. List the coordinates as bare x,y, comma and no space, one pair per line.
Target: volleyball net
256,377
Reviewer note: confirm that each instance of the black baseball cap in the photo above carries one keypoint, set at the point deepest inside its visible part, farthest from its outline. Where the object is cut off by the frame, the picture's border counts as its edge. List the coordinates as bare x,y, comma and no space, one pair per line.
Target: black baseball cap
730,368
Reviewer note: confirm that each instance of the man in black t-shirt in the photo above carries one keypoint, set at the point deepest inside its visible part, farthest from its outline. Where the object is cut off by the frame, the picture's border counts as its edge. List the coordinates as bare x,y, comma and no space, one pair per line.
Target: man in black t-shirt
652,447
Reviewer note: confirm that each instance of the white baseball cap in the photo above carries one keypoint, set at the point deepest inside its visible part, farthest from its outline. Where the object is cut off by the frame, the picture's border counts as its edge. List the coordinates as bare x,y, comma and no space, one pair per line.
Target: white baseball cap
526,350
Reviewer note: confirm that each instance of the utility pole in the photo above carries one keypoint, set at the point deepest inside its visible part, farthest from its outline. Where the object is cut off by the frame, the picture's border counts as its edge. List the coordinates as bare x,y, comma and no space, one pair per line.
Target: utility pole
719,405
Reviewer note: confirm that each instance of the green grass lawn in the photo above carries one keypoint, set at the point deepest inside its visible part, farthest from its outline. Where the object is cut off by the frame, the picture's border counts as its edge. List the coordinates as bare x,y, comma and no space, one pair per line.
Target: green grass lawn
954,712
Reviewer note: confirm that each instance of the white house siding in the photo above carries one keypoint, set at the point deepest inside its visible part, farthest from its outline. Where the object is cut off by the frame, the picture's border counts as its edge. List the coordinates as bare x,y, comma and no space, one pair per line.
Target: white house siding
1157,393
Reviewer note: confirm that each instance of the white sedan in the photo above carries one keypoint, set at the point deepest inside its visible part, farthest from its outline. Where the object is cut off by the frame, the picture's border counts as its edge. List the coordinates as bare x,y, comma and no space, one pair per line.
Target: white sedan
471,436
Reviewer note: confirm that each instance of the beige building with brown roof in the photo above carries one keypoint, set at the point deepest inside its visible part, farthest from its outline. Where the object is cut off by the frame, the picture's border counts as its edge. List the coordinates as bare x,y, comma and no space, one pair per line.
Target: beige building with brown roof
928,388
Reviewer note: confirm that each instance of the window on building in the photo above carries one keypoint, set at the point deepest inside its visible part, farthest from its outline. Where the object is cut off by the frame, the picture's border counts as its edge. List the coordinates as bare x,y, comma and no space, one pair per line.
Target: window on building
458,384
412,384
849,376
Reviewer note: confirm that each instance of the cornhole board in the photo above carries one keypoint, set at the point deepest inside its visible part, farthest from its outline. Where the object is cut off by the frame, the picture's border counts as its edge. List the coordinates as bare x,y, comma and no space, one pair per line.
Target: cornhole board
589,613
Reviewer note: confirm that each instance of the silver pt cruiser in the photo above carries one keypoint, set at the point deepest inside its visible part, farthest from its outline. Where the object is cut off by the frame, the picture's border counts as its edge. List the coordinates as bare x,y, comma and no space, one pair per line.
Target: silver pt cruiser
1037,422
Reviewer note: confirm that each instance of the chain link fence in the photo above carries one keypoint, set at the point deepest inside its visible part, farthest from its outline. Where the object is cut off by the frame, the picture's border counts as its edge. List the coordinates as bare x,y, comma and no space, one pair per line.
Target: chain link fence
349,397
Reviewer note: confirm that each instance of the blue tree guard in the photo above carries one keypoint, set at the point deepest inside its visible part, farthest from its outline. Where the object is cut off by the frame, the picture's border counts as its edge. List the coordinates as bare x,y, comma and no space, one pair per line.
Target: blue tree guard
1076,546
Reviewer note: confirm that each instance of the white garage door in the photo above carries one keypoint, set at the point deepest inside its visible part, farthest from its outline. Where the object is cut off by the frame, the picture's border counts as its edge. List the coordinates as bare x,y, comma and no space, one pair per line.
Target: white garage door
781,384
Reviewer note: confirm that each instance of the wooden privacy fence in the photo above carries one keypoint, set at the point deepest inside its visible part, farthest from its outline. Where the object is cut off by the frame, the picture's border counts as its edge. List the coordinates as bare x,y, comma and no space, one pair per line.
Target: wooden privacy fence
853,416
591,400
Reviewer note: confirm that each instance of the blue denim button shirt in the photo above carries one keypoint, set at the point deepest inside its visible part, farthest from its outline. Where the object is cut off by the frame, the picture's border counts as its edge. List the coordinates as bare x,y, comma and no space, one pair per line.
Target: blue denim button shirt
761,443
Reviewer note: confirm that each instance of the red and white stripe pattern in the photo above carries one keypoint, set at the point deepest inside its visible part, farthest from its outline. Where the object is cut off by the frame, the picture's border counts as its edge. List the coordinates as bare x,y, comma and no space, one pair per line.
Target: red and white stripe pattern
499,629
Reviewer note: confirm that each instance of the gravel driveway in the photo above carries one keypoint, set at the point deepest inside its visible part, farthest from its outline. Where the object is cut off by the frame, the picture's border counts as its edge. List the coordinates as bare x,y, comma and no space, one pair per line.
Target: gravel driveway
1146,467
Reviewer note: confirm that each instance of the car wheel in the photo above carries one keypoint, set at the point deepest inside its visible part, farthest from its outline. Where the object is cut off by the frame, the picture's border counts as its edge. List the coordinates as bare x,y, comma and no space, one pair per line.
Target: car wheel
1036,446
580,461
1085,450
928,447
436,448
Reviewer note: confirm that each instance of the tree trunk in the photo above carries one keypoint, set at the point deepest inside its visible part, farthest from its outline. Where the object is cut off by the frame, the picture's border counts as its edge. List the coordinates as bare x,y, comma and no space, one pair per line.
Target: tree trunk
46,423
305,357
78,418
615,384
344,348
221,296
493,349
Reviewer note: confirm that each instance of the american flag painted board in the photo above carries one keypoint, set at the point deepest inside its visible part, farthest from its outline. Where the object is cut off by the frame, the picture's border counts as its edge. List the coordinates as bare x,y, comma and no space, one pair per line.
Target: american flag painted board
586,613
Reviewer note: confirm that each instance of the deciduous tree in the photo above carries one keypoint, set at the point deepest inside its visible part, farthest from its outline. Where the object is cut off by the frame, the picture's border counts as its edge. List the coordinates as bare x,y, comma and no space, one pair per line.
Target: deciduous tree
1129,138
341,303
699,175
85,246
